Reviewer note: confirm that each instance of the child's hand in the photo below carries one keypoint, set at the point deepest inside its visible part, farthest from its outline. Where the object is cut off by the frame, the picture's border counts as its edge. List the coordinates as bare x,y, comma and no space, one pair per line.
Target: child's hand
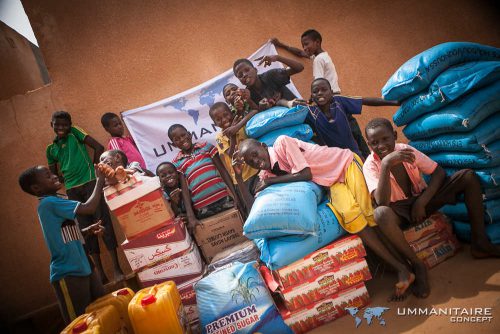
266,60
239,104
297,102
237,163
176,196
233,129
418,214
245,94
261,185
94,229
396,157
275,41
266,103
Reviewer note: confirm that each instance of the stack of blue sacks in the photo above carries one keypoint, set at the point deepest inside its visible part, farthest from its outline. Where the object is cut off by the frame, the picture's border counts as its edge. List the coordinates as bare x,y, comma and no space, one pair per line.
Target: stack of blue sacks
290,220
450,107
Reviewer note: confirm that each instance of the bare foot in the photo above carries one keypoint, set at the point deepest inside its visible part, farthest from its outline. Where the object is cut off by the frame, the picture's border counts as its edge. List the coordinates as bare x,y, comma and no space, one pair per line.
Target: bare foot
484,251
406,279
421,288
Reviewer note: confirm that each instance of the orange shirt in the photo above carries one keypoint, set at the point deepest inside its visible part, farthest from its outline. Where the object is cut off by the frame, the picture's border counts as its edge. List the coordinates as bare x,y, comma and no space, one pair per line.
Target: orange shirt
422,164
328,164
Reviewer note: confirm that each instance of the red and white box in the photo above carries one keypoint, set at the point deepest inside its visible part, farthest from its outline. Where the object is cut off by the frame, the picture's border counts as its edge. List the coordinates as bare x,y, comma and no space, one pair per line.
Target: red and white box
435,223
434,255
180,270
191,311
331,256
326,310
326,284
167,242
433,239
141,208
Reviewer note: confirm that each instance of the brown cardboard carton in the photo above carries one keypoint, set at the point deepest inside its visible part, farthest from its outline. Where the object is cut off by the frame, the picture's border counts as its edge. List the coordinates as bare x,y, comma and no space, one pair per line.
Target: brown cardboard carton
217,233
167,242
141,208
435,223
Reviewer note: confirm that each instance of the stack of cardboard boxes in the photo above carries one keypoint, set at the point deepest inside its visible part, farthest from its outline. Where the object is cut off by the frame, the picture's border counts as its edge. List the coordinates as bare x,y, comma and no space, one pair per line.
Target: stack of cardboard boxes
317,288
158,247
433,240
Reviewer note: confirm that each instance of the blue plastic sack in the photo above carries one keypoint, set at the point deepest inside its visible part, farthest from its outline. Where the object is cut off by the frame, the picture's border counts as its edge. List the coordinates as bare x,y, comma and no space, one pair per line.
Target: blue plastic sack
491,193
275,118
489,177
459,211
417,73
460,116
469,160
473,141
236,300
302,132
448,86
463,232
283,209
280,252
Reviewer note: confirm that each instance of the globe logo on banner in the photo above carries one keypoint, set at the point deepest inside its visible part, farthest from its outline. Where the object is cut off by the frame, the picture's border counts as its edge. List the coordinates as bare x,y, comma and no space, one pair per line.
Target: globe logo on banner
149,124
369,314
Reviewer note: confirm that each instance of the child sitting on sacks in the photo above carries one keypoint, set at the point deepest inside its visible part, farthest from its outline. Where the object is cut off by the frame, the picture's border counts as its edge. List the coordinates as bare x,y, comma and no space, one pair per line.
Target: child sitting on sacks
393,176
233,132
340,170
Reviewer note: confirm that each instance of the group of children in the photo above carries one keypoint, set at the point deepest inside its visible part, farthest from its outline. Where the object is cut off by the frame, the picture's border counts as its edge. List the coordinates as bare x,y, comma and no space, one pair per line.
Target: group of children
373,194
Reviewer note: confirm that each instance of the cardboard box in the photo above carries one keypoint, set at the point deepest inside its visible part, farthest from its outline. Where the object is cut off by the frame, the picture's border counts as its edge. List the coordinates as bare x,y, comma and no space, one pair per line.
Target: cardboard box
179,270
324,259
326,310
435,223
191,311
433,239
219,232
141,208
242,252
167,242
113,191
326,284
434,255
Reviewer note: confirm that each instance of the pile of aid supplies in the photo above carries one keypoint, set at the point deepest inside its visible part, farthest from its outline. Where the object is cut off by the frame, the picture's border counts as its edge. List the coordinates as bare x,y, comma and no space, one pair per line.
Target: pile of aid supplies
290,267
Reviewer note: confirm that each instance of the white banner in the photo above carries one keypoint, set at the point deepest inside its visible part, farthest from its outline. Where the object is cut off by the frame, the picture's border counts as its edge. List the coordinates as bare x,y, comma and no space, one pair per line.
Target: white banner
148,125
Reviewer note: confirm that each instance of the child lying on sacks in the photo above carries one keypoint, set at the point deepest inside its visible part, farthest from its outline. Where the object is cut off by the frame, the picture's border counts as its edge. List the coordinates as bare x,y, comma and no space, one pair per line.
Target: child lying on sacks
394,179
340,170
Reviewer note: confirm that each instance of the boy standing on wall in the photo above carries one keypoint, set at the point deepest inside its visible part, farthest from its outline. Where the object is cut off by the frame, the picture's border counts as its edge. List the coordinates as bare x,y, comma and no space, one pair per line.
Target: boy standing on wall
68,149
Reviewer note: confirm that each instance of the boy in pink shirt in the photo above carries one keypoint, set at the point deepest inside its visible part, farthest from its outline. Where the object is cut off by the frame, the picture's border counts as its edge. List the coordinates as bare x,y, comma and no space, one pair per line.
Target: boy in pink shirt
340,170
393,177
114,126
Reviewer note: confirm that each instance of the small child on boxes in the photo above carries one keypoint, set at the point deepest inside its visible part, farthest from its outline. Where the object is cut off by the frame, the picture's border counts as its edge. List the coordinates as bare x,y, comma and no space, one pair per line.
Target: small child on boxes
340,170
69,151
205,186
118,158
170,180
233,132
114,126
393,176
75,283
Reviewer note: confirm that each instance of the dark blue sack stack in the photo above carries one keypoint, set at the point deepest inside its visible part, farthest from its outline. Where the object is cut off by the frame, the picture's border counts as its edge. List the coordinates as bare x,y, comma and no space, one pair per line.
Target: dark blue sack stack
450,106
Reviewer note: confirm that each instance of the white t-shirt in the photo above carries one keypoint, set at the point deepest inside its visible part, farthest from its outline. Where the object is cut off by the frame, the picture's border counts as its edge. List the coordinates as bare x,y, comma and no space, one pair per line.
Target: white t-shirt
323,68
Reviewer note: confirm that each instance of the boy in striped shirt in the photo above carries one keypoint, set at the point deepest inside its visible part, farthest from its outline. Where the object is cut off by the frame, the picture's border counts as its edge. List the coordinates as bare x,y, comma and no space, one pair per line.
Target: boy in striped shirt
206,179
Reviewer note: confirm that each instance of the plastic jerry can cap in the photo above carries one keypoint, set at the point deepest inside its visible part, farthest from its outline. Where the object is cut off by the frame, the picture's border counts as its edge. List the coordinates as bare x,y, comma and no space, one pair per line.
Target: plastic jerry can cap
122,292
148,299
80,327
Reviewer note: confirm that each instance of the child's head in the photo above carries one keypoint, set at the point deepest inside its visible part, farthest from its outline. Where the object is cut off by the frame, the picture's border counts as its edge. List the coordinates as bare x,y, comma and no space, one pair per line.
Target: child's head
381,136
112,124
229,92
114,158
311,42
321,92
221,115
169,178
255,154
180,137
39,181
61,123
244,70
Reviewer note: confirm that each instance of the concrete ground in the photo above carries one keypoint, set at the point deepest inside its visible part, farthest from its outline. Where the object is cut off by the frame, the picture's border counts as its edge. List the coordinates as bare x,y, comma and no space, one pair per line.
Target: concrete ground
459,282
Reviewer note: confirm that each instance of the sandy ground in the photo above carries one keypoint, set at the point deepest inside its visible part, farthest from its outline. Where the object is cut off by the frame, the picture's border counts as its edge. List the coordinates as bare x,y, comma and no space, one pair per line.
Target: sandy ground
458,282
